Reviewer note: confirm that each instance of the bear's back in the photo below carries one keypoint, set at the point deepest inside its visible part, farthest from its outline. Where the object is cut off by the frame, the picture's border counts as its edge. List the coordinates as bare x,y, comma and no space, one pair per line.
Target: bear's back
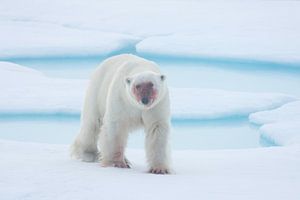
130,63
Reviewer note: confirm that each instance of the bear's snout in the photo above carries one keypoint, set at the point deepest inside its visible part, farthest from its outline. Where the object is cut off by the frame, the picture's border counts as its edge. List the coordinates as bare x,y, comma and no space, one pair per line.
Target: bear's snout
145,100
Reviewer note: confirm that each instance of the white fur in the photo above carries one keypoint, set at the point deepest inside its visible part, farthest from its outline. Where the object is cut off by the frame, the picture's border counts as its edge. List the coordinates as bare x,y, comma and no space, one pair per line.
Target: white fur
110,112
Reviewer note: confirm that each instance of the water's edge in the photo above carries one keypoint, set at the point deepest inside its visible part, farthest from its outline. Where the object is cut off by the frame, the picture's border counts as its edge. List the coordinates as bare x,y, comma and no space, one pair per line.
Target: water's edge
188,133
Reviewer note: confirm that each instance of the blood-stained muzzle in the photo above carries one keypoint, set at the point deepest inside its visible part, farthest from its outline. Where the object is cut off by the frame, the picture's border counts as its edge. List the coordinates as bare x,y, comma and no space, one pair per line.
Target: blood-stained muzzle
145,93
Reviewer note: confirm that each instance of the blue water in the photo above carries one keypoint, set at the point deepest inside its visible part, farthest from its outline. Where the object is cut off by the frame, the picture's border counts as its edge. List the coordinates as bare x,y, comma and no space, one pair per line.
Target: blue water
214,134
250,76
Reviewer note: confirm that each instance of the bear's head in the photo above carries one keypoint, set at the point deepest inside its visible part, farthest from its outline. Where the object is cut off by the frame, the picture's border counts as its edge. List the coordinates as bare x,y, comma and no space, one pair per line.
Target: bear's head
145,89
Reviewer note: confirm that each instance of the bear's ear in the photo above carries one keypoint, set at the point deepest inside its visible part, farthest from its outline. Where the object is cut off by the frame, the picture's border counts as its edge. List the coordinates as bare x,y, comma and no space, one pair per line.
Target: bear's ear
162,77
128,80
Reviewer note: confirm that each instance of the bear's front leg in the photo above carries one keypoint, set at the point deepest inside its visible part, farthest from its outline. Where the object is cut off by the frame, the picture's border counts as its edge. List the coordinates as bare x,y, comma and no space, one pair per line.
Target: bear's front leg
112,142
157,147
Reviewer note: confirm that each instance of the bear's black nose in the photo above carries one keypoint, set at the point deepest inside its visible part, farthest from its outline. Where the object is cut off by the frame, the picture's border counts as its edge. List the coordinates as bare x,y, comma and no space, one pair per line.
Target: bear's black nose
145,100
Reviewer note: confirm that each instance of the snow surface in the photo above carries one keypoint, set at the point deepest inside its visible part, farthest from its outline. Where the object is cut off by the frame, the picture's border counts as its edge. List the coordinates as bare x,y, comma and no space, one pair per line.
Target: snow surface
44,171
282,133
225,45
25,90
192,103
34,39
261,30
289,111
281,125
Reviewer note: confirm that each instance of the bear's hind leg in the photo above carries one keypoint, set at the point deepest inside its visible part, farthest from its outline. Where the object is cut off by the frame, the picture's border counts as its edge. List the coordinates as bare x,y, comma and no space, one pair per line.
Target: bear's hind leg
84,147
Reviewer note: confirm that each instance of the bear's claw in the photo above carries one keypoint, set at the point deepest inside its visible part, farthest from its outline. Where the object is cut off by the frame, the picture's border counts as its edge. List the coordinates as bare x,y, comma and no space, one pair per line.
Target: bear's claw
121,165
159,171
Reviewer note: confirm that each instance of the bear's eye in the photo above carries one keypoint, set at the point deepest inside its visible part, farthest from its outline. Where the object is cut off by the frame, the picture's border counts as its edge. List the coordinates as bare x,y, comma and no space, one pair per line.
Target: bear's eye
150,84
138,86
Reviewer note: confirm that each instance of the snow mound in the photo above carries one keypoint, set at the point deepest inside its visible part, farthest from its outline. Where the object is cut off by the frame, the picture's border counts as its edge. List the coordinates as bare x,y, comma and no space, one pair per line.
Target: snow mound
34,39
225,45
211,103
26,90
282,133
31,92
280,125
287,112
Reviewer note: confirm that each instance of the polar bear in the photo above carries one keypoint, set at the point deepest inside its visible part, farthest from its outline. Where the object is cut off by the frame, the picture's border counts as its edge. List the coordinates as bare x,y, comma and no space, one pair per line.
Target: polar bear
126,92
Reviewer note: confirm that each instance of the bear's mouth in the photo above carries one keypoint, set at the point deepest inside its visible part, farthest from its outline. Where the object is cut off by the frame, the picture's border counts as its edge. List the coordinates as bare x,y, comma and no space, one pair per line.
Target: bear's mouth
145,93
147,101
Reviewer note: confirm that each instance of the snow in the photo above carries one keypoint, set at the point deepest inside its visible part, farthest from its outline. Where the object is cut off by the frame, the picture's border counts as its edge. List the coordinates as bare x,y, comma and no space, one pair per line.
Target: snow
191,103
26,92
282,133
44,171
256,30
287,112
34,39
280,125
226,45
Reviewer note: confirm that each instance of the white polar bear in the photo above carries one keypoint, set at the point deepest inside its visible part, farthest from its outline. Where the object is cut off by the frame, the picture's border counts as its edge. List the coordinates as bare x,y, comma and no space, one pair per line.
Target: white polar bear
125,92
